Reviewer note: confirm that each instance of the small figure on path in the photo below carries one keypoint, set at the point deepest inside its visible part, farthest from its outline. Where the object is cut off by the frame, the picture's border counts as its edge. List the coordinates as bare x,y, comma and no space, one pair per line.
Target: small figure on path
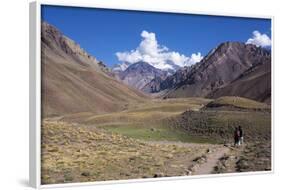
236,136
241,138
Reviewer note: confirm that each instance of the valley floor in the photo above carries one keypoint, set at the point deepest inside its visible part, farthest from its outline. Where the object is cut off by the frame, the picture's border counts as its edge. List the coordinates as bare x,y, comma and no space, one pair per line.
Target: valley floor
143,142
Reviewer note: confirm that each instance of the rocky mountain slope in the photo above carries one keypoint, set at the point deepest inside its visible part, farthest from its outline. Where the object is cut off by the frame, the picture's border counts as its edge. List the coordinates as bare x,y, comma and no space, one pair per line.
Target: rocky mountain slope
139,74
74,81
232,68
255,83
158,84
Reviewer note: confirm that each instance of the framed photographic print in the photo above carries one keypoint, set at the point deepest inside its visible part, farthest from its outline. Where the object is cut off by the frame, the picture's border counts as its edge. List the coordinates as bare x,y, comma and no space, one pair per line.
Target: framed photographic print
121,95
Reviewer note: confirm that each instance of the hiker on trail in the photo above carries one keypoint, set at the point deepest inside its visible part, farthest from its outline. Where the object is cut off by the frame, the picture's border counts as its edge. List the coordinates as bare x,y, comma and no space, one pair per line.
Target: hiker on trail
236,136
241,138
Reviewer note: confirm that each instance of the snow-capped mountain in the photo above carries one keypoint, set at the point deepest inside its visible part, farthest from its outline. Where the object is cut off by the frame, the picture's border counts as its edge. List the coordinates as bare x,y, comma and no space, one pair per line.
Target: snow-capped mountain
139,74
169,66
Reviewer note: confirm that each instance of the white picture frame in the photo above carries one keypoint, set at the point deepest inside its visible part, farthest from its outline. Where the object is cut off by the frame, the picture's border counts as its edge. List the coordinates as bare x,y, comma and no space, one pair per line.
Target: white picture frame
35,93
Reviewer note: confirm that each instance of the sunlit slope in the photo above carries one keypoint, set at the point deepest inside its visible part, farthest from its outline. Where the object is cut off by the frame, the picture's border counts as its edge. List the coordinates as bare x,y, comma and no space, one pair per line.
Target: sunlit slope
74,81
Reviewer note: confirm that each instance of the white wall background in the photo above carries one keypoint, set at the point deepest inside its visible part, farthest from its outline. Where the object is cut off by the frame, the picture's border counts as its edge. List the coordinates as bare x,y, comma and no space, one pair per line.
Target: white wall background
14,95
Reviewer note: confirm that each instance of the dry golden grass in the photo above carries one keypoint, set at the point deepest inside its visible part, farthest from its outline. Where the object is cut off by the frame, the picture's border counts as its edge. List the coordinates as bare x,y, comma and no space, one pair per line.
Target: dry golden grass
76,153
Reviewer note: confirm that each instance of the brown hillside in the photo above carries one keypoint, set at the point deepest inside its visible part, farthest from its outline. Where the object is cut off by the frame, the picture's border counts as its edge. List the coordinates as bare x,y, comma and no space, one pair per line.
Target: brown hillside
74,81
254,84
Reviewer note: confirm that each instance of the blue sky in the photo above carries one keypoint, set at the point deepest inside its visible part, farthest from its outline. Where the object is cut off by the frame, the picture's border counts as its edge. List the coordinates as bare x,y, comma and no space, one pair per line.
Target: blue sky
103,32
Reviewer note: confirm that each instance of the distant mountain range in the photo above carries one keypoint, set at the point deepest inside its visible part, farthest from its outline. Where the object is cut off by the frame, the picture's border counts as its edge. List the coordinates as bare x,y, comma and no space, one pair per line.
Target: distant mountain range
74,81
232,68
168,66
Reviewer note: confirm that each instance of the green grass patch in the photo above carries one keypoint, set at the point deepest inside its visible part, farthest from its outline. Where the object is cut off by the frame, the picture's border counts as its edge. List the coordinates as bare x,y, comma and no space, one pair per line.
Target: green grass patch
221,124
238,102
155,133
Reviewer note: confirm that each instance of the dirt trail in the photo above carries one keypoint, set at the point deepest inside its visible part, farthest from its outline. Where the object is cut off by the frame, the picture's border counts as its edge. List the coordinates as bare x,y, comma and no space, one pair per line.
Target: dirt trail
211,161
205,163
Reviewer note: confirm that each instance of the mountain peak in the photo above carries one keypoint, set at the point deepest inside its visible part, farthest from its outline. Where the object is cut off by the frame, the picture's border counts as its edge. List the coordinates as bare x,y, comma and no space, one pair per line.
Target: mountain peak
141,65
220,67
168,66
137,75
234,50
